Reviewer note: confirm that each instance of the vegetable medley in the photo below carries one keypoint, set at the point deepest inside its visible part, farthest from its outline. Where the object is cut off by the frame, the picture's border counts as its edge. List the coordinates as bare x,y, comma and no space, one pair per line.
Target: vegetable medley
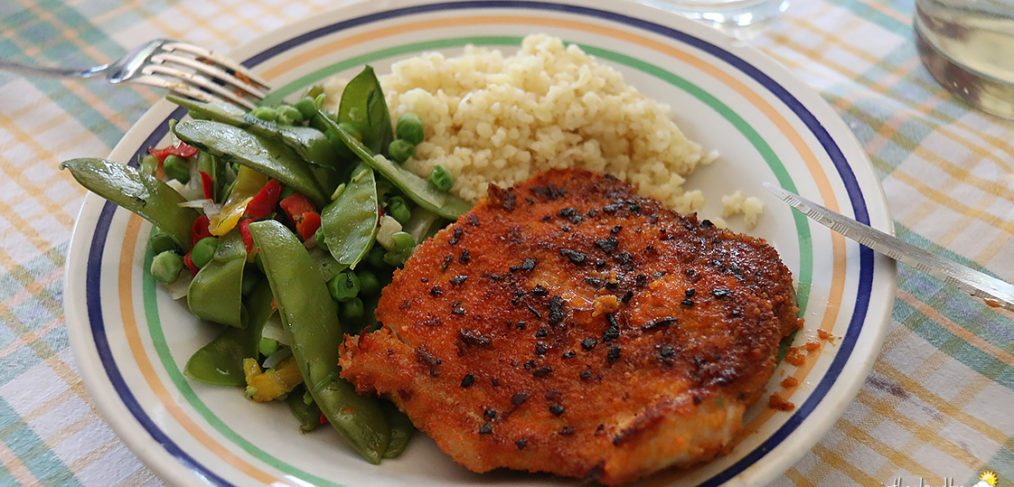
291,208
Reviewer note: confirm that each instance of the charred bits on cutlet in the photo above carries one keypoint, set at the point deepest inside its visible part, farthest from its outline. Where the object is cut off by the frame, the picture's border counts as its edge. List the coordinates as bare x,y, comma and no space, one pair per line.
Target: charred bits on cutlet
721,293
539,291
436,291
586,374
472,220
627,296
613,331
607,245
556,312
613,355
543,371
510,201
519,399
593,281
456,235
469,337
447,261
589,343
489,414
566,431
542,333
486,429
658,323
424,357
574,256
569,354
458,279
540,349
615,230
521,444
557,409
465,256
467,380
526,265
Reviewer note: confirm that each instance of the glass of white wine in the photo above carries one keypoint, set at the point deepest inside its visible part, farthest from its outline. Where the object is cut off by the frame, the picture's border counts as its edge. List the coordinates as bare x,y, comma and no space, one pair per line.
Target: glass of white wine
968,46
736,17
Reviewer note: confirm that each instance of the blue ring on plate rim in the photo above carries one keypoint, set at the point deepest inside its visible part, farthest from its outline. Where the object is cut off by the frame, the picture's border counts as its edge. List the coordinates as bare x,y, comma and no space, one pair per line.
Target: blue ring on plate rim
848,179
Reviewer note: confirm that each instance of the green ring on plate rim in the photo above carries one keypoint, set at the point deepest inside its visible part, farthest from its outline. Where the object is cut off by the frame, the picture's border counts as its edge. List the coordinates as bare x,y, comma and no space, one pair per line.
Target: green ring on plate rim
769,156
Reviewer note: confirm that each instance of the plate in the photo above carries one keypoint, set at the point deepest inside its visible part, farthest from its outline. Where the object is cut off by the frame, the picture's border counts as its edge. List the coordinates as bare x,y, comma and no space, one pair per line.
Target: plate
131,340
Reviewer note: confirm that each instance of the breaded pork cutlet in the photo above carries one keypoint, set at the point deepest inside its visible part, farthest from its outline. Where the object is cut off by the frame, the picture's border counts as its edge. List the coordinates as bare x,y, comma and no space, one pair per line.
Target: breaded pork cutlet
568,325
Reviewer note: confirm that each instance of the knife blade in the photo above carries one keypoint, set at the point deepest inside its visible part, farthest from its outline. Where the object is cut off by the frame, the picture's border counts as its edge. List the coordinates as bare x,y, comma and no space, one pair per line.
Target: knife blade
995,292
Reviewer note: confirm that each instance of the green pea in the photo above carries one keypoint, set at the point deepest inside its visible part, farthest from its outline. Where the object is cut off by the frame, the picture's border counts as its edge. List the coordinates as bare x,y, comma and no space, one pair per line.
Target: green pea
441,179
410,128
267,114
400,150
344,286
166,266
288,115
398,209
369,285
353,310
161,242
203,251
403,241
267,346
375,257
395,259
177,168
307,108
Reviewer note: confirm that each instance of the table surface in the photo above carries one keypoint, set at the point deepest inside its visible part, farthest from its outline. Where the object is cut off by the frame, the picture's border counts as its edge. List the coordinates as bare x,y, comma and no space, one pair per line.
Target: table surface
936,406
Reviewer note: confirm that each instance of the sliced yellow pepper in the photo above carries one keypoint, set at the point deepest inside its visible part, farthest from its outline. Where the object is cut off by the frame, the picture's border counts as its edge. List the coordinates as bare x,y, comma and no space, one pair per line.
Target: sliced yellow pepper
273,383
248,183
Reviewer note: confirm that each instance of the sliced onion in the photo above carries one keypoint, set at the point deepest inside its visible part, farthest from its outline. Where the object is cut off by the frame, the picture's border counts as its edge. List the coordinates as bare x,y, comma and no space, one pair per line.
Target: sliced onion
274,330
277,357
211,208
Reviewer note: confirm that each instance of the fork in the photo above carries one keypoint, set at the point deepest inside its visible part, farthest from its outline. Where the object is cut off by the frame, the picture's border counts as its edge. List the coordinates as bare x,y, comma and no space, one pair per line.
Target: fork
180,67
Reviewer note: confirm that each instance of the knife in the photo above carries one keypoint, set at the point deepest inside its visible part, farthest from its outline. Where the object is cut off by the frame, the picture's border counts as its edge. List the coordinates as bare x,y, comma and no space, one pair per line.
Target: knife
995,292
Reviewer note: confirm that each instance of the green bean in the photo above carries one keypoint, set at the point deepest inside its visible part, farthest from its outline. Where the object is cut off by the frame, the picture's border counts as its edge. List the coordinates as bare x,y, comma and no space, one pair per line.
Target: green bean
161,242
398,209
369,285
307,413
288,114
267,114
136,192
415,188
312,319
267,156
216,292
350,221
203,251
166,266
440,178
267,346
401,430
344,286
400,150
410,128
220,362
308,142
307,108
177,168
148,165
363,103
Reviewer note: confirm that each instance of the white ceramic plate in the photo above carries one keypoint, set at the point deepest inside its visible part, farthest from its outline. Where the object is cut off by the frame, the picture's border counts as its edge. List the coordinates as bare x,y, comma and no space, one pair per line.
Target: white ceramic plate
131,340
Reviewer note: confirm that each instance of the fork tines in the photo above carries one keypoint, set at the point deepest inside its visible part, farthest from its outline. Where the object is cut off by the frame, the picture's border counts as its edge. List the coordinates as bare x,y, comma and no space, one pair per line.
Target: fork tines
198,73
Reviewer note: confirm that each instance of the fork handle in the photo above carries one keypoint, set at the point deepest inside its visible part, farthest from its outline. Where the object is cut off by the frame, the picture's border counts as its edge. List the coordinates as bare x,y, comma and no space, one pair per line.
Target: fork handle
30,69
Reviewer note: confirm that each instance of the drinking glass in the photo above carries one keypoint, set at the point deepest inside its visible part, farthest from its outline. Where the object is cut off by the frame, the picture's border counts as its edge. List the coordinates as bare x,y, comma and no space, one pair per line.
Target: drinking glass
968,46
733,16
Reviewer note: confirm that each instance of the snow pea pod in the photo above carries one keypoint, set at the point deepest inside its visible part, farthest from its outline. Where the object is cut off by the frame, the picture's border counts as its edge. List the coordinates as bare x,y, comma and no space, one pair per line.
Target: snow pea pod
220,362
363,105
401,430
416,188
216,292
308,142
349,223
308,415
142,194
267,156
311,316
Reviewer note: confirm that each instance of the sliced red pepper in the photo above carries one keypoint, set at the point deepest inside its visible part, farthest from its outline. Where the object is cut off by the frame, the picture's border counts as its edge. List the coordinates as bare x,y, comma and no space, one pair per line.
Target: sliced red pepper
200,229
295,205
181,149
307,224
208,185
189,262
263,203
244,231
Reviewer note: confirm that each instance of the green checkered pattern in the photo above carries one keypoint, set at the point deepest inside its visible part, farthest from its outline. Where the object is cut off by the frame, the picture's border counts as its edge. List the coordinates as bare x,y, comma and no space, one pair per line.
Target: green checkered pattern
936,407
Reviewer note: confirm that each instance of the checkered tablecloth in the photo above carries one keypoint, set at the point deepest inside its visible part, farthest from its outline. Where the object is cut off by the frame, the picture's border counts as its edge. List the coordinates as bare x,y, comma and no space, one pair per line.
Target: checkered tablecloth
938,406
